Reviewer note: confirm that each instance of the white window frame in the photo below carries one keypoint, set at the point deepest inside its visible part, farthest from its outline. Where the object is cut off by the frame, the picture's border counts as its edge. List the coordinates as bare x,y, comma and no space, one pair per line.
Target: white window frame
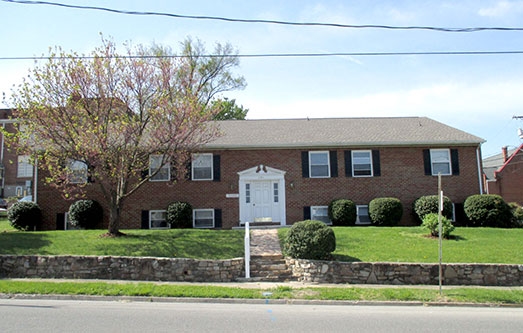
24,167
311,165
195,159
151,213
354,163
77,172
358,221
196,211
152,169
433,161
313,216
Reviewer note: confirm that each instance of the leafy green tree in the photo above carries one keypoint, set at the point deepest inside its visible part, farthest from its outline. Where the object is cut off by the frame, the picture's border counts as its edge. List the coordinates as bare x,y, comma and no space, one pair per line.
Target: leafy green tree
228,110
112,111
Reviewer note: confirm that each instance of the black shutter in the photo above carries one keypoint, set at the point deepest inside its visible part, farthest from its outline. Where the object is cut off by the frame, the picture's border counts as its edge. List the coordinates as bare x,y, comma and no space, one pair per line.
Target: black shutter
305,164
427,163
306,213
145,219
333,157
376,167
216,167
217,218
348,163
454,158
60,221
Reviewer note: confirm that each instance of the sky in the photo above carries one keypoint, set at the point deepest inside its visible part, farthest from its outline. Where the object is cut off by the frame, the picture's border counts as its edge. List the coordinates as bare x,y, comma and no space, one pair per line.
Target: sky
478,94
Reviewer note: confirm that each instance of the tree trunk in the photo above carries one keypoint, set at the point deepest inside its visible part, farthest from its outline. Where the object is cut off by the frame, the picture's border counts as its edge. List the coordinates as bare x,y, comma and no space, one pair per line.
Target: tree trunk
114,218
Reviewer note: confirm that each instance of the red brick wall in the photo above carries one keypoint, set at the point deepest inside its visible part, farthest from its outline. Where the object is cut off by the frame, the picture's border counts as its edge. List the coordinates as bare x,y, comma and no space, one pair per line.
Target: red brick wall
509,182
402,176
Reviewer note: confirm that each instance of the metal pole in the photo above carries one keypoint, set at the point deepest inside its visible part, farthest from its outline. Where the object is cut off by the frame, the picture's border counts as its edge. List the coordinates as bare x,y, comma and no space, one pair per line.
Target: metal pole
247,252
440,228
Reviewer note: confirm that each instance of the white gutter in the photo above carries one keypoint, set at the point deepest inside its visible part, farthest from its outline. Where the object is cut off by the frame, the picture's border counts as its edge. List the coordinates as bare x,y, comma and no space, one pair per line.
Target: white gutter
480,176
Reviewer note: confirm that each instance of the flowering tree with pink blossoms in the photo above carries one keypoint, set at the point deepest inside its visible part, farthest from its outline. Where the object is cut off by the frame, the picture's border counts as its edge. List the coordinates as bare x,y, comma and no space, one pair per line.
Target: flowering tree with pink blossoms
110,112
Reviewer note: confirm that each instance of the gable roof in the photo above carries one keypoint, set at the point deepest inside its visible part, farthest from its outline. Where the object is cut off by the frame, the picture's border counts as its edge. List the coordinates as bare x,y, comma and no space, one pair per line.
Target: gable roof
338,132
490,169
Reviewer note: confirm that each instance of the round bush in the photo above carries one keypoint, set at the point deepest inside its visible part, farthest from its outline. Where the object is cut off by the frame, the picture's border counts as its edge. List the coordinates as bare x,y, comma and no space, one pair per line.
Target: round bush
517,214
342,212
24,215
430,204
179,215
86,214
431,222
310,240
385,211
488,210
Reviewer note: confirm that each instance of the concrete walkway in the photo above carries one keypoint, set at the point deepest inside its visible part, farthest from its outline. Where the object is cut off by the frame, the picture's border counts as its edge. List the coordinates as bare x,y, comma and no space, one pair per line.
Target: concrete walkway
265,242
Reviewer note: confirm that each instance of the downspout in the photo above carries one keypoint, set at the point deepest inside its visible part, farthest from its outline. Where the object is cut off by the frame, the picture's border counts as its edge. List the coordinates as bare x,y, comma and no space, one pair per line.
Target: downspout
35,186
480,178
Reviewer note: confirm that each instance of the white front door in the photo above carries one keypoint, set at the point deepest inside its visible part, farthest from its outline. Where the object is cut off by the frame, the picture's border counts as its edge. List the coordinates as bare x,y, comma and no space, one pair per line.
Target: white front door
261,201
262,195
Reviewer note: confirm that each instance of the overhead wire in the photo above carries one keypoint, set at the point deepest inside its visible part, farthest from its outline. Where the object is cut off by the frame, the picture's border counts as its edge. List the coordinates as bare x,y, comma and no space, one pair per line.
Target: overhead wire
289,23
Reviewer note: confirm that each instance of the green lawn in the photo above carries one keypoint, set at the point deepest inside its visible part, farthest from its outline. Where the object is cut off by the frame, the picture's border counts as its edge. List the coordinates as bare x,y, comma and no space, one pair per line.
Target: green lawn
411,244
366,244
175,243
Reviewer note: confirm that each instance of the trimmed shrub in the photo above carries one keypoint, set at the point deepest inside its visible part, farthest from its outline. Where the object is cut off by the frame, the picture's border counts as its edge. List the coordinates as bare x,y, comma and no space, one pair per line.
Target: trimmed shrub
179,215
310,240
24,215
488,210
517,214
431,223
342,212
86,214
429,204
385,211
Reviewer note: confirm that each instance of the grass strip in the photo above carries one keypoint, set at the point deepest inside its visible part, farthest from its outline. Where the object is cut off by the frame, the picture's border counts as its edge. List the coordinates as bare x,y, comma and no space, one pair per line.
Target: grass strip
342,293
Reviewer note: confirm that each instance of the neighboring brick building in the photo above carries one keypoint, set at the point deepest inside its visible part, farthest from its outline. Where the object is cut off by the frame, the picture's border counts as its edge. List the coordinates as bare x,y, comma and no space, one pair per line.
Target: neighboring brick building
283,171
16,171
504,174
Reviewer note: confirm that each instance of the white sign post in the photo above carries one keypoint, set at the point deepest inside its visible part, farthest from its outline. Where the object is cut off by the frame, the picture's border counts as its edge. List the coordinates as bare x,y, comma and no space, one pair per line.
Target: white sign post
440,230
247,251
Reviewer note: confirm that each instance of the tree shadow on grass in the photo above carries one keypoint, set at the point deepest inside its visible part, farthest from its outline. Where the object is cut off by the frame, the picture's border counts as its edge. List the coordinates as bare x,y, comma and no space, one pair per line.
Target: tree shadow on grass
23,242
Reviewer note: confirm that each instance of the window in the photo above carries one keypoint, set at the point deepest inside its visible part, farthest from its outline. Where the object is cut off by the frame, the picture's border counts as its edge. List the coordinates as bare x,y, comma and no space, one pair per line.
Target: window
202,167
203,218
362,214
157,163
247,193
320,213
25,168
319,164
440,162
361,163
158,219
275,192
77,172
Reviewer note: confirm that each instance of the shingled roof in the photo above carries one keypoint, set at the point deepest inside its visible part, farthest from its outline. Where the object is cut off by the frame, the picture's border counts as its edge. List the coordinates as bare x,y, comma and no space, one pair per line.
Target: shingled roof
338,132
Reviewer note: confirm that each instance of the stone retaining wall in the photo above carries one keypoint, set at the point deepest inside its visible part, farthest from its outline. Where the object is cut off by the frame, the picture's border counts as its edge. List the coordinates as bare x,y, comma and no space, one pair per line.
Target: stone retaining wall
121,268
405,273
315,271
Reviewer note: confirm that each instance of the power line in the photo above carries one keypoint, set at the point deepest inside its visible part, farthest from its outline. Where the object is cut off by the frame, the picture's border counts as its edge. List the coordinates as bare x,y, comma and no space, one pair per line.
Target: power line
278,55
314,24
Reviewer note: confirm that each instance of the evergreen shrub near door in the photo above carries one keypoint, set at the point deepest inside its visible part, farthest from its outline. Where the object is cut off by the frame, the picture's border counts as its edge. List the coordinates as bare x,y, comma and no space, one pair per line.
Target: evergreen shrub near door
385,211
179,215
342,212
24,215
310,240
85,214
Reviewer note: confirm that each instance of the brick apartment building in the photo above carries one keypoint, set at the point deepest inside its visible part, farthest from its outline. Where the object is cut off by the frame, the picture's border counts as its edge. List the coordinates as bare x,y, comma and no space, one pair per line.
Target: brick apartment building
504,174
288,170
